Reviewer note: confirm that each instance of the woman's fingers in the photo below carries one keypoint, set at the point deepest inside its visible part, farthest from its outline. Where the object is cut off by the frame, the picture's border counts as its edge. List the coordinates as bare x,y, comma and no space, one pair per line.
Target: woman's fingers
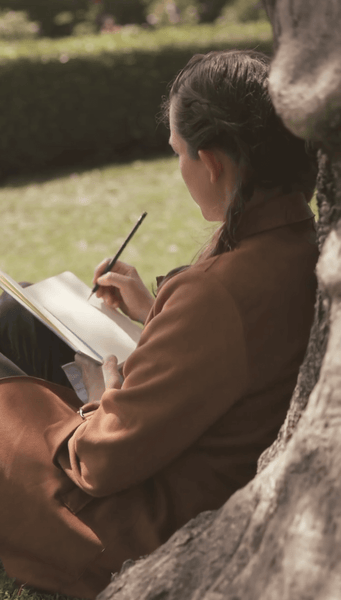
92,376
112,377
112,279
110,296
119,267
91,372
110,286
123,287
109,283
100,269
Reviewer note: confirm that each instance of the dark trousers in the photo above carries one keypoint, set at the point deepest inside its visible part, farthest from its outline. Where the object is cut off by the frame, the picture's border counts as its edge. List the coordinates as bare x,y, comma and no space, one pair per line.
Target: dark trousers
30,346
8,368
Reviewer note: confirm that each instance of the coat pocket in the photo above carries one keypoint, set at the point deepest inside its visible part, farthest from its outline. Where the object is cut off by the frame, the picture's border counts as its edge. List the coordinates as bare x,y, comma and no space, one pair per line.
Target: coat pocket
78,542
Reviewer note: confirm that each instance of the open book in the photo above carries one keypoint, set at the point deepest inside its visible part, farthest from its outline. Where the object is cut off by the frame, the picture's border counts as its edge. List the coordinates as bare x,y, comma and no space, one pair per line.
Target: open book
87,326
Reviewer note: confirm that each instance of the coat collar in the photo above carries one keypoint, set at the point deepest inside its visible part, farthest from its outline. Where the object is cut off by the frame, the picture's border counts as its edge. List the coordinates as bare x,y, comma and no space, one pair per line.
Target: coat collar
271,210
265,211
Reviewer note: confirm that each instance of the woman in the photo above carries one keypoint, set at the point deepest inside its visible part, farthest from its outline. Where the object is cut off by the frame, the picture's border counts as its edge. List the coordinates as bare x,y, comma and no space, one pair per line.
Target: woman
209,384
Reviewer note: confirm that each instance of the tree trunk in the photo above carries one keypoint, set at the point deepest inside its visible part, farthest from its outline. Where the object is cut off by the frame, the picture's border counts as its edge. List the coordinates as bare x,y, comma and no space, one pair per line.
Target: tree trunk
279,538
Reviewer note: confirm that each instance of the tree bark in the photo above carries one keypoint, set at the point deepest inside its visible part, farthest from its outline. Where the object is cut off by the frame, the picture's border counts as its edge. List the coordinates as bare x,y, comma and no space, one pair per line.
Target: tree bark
279,537
310,369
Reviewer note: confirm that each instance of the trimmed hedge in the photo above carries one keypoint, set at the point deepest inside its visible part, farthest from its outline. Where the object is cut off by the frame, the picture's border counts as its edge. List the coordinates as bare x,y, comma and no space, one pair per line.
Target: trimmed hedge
90,108
45,11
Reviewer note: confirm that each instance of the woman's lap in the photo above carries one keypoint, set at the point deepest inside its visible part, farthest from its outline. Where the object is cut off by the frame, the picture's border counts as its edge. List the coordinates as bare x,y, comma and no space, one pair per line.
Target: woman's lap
37,531
38,534
8,368
42,540
53,535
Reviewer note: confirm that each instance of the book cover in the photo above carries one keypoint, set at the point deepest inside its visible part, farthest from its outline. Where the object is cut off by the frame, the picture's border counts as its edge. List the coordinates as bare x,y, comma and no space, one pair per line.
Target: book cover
87,326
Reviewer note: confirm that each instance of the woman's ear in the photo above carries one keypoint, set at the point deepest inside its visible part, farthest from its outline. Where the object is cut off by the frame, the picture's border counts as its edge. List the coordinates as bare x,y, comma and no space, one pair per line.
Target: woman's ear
212,163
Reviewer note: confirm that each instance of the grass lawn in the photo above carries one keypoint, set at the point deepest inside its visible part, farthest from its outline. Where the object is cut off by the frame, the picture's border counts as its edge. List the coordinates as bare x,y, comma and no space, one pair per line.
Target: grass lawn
8,591
74,220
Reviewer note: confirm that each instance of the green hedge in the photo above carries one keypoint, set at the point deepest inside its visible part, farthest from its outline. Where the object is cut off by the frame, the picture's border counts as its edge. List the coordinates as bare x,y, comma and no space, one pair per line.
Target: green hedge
45,11
57,18
77,104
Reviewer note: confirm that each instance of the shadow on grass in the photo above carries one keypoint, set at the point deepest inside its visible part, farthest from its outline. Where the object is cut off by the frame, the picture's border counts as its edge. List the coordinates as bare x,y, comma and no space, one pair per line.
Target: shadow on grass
23,179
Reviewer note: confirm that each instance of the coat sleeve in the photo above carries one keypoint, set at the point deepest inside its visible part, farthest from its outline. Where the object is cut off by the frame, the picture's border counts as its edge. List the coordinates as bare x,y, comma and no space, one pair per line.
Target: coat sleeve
187,370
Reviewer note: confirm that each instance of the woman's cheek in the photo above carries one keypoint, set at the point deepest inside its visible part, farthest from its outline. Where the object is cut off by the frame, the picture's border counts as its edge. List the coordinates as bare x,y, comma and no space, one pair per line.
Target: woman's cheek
184,173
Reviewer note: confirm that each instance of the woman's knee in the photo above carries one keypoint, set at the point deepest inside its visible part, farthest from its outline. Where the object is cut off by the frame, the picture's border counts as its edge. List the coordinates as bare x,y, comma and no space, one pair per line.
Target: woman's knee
8,368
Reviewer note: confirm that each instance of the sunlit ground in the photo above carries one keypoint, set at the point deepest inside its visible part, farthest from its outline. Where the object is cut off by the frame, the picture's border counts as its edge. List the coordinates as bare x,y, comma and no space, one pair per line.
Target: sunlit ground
73,221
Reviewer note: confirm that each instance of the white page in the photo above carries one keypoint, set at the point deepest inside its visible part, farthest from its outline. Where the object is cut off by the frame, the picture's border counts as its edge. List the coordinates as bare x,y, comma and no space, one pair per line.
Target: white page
20,294
105,330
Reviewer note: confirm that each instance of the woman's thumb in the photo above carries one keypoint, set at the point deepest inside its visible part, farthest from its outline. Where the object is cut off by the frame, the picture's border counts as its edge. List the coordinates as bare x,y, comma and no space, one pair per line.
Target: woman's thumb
112,377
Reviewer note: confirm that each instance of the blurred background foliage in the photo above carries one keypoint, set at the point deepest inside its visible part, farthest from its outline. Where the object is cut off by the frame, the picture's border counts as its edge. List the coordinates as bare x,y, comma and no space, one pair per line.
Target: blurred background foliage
81,83
60,18
82,80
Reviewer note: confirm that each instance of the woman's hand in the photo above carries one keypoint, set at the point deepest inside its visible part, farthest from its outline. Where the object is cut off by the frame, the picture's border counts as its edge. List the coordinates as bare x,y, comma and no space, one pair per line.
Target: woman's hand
97,378
92,375
123,288
111,374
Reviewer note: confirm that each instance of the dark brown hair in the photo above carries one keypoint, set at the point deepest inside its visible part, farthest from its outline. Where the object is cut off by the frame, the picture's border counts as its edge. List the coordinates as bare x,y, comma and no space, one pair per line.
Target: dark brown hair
221,100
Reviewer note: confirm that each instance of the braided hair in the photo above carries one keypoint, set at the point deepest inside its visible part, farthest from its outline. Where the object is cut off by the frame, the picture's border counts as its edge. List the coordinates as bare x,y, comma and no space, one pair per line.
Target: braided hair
221,100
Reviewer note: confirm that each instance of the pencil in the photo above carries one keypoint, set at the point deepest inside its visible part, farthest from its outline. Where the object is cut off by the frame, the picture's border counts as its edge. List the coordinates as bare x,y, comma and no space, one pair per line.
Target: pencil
113,260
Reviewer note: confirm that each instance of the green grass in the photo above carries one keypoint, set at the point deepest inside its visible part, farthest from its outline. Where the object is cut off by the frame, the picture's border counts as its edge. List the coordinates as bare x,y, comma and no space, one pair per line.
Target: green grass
136,37
313,206
74,220
9,591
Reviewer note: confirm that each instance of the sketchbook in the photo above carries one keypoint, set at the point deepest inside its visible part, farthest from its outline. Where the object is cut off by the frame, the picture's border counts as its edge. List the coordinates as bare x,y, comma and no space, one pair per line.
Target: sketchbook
87,326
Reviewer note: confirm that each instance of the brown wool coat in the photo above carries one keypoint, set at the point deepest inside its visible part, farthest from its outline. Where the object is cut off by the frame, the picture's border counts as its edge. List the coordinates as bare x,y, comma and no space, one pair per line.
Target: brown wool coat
205,392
